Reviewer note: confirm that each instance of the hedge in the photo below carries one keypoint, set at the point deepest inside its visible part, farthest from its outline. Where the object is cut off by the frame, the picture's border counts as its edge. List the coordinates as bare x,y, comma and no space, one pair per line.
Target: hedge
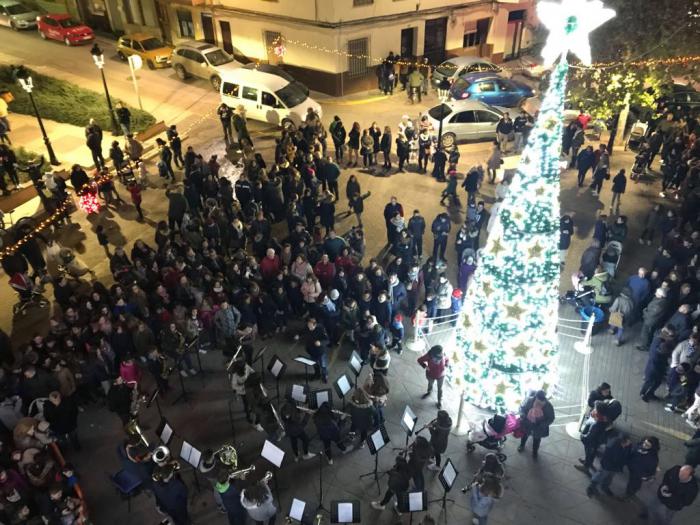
66,102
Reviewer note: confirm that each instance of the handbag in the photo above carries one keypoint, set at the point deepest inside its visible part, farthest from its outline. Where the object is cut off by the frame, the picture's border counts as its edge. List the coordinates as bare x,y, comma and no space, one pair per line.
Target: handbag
616,319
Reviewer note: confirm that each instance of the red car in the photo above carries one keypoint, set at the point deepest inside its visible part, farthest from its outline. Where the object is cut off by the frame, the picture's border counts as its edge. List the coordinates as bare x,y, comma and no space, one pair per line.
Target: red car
63,27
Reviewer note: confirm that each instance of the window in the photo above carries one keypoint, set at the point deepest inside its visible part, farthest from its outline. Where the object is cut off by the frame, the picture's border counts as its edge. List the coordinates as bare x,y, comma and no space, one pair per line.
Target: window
184,22
487,87
356,3
126,42
272,39
357,57
471,39
250,93
193,55
50,22
268,99
231,90
487,116
465,117
503,86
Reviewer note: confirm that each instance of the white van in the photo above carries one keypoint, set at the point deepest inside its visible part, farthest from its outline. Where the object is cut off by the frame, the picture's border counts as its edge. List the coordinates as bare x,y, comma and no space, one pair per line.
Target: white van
268,94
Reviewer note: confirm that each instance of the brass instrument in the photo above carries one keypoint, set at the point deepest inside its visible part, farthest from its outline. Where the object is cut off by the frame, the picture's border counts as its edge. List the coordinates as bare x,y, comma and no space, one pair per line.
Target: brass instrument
166,466
165,370
132,429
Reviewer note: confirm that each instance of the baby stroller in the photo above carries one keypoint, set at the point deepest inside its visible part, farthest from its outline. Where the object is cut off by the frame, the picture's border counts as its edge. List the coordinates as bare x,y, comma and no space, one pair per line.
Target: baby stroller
610,259
491,434
637,136
641,161
29,294
126,174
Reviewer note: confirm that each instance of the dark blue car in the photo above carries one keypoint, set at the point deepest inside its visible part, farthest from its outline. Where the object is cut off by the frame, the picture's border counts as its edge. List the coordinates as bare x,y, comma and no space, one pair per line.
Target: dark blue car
491,89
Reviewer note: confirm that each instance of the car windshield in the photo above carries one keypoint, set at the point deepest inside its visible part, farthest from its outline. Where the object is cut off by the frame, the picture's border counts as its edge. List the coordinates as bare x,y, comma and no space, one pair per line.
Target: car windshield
293,94
441,111
447,68
69,22
219,57
151,43
16,9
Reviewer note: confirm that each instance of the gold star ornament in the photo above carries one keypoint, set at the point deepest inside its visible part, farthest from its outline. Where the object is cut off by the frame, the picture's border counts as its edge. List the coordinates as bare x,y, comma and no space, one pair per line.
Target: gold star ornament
521,350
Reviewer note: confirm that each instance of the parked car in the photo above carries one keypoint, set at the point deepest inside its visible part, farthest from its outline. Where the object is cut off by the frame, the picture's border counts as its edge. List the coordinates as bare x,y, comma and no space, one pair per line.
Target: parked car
277,71
64,28
267,97
491,89
202,60
465,120
17,16
684,100
456,67
152,51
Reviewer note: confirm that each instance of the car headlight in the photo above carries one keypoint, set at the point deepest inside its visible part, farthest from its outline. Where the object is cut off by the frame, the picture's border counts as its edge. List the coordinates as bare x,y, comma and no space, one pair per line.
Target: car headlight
161,59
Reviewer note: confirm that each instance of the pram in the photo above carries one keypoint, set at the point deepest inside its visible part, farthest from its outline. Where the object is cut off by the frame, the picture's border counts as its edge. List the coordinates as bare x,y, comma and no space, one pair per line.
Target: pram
491,434
637,136
29,294
641,162
611,257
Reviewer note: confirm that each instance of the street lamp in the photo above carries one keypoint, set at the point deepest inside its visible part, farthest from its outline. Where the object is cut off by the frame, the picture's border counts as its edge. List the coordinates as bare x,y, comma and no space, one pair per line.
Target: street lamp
99,59
22,76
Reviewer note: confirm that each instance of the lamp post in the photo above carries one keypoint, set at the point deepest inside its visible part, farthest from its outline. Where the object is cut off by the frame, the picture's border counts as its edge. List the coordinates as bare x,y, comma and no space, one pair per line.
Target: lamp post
25,80
99,60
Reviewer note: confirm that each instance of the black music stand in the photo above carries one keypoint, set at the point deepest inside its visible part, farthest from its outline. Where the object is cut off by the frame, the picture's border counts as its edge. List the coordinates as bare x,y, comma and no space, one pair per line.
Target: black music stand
164,431
298,511
307,363
298,393
274,455
183,391
347,511
355,364
321,507
376,441
318,397
447,476
192,456
193,346
413,502
342,386
408,423
260,357
154,397
276,367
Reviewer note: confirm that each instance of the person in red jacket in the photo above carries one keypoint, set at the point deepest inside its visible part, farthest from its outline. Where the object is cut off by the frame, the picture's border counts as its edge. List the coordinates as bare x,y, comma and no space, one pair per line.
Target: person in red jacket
325,271
270,265
435,363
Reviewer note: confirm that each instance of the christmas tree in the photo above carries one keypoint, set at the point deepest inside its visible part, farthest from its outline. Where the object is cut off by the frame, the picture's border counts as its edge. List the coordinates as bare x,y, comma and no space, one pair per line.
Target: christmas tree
507,344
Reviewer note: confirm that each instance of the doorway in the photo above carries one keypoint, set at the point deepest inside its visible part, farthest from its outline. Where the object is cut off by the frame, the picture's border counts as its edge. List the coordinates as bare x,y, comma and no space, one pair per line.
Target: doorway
226,36
163,21
208,28
408,42
434,42
514,33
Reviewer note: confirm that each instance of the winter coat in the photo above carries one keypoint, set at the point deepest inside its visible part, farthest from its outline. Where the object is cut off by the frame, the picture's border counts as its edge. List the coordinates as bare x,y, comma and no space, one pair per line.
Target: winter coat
439,433
434,369
619,183
260,512
623,304
444,295
640,288
177,205
680,494
566,231
615,456
441,225
362,416
600,283
692,456
655,311
540,428
63,417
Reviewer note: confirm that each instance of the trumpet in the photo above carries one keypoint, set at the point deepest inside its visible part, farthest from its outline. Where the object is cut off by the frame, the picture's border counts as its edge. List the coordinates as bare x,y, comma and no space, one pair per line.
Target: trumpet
241,474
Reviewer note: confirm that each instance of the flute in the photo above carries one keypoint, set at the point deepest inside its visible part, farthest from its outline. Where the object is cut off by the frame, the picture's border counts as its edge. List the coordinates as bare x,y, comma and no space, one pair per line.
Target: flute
426,426
233,359
312,411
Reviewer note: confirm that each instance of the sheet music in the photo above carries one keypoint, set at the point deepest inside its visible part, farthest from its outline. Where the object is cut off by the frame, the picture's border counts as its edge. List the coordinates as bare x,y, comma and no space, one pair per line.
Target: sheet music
408,419
378,440
415,501
344,384
355,363
449,474
185,451
304,361
345,512
297,510
272,453
195,456
322,397
166,433
298,393
276,368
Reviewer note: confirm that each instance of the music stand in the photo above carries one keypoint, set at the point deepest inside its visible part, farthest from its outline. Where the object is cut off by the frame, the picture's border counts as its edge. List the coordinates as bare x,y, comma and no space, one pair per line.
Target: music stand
297,511
183,392
347,511
154,397
259,357
318,397
298,393
307,363
192,456
193,346
376,441
355,364
447,476
276,367
342,386
274,455
413,502
408,422
164,431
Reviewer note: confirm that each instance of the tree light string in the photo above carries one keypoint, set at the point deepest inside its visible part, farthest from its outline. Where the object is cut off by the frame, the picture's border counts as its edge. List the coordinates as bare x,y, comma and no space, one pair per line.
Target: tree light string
48,221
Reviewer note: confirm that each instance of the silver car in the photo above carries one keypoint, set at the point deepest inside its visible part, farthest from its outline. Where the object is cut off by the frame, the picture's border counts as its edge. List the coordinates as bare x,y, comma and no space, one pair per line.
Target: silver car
202,60
465,120
17,16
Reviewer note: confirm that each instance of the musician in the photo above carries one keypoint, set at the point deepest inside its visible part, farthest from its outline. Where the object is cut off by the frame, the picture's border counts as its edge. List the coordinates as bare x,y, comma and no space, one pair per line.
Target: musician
328,430
435,364
268,419
210,468
240,371
399,479
377,389
362,414
420,453
171,498
135,458
295,422
229,494
157,365
439,434
173,343
254,396
257,500
316,343
119,399
379,359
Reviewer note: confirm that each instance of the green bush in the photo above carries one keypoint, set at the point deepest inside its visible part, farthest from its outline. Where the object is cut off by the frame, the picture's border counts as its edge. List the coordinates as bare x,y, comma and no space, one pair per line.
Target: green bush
25,156
66,102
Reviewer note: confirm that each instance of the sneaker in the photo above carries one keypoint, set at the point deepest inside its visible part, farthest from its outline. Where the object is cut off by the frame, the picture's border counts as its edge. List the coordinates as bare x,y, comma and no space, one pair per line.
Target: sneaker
259,428
582,468
648,243
434,467
641,241
183,373
309,455
662,194
520,448
202,351
362,444
426,394
475,521
377,505
296,459
193,372
330,461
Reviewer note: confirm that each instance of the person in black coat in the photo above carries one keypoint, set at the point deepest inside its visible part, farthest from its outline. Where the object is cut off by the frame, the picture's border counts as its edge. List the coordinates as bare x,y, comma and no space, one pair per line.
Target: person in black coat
62,415
660,350
398,483
316,343
326,213
441,230
403,150
439,434
471,184
601,393
592,436
619,184
295,422
328,430
678,489
390,209
171,498
618,452
385,147
584,162
416,227
536,415
362,414
642,465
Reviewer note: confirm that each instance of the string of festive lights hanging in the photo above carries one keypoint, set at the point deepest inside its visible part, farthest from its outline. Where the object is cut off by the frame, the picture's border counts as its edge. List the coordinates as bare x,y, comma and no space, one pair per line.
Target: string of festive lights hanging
48,221
281,43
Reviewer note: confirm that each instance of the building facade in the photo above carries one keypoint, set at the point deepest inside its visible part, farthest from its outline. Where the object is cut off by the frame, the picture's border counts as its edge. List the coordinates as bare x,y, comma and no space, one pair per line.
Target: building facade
334,45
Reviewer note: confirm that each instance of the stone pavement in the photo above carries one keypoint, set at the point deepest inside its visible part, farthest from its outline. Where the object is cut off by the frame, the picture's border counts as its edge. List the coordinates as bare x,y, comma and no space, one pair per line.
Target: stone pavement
549,491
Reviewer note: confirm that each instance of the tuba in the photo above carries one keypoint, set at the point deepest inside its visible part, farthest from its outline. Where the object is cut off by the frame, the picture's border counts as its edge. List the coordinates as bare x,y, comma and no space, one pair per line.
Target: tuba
132,429
166,466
